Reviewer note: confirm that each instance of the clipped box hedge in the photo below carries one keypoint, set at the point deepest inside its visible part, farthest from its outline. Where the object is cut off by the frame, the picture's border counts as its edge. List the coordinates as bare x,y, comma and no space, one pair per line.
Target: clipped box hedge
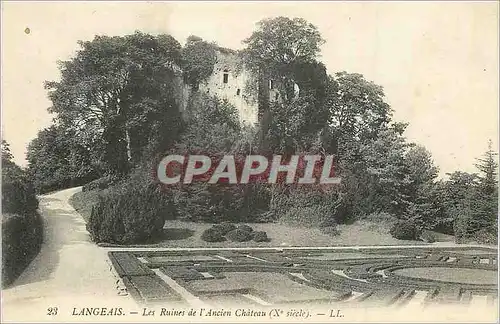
127,264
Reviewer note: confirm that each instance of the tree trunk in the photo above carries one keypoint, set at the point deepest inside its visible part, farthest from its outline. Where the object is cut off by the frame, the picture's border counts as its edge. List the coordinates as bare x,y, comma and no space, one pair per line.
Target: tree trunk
127,139
264,111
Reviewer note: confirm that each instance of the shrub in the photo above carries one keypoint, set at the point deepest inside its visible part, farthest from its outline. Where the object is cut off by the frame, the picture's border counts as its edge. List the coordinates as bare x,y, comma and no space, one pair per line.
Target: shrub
239,235
312,216
212,234
22,237
486,235
216,203
265,217
22,228
260,236
225,228
83,202
445,226
101,183
245,228
308,207
18,194
129,213
209,203
405,230
381,218
330,230
47,184
428,236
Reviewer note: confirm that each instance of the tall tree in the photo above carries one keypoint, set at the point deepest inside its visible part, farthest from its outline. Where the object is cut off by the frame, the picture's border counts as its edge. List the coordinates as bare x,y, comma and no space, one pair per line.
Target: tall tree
283,50
198,60
386,172
18,195
421,168
471,200
7,157
488,166
116,84
455,195
56,160
486,208
358,110
281,41
423,206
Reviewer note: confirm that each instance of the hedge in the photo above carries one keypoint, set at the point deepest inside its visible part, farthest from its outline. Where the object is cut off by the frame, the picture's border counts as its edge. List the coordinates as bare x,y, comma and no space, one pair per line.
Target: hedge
22,227
260,236
22,237
224,228
128,265
147,289
213,234
130,213
239,235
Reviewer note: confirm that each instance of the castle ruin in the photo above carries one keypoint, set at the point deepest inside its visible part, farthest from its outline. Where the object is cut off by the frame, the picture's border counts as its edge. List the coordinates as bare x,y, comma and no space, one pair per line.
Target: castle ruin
232,82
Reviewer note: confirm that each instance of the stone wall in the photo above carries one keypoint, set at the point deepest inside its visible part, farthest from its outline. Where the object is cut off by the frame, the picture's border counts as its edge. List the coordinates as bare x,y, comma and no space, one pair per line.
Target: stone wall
231,82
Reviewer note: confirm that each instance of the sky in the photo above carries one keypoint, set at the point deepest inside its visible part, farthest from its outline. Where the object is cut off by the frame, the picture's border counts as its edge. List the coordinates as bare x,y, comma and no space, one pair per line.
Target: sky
437,61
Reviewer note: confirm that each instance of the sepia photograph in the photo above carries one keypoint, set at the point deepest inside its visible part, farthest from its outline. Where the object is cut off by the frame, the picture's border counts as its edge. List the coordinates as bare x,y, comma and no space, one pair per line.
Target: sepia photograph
249,162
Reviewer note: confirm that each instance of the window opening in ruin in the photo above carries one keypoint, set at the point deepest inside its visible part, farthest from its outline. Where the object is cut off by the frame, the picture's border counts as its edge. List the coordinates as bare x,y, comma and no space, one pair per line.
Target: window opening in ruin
238,92
225,77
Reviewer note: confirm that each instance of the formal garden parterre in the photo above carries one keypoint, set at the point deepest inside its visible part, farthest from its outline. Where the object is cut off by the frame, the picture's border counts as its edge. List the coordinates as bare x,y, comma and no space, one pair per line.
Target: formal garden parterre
354,277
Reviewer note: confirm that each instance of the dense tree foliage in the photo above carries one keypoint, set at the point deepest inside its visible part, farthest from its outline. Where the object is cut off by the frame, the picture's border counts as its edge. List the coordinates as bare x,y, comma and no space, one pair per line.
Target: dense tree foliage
214,130
22,232
121,90
199,58
56,160
18,195
117,108
285,50
357,107
281,42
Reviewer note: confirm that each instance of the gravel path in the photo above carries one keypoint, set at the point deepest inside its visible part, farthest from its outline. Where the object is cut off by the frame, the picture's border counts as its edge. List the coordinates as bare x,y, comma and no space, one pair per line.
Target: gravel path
69,271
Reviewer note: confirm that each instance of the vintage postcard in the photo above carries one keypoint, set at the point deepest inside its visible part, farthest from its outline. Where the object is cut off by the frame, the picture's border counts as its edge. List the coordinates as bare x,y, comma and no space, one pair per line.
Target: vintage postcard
249,162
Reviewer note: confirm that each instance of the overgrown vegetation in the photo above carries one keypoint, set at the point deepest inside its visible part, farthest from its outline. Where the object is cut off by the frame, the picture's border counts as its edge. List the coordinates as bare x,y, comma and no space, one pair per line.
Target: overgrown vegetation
228,231
213,234
260,236
470,202
239,235
199,59
405,230
117,104
22,228
101,183
57,161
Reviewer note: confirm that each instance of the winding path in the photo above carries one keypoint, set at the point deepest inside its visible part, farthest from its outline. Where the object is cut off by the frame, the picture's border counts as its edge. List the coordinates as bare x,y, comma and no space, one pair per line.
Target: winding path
70,271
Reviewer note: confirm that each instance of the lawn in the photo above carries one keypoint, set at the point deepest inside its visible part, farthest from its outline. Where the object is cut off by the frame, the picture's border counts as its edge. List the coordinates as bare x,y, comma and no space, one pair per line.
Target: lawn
180,234
342,256
461,275
282,288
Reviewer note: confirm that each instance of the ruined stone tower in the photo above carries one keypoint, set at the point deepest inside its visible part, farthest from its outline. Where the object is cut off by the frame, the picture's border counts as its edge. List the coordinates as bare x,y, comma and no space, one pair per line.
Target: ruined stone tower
232,82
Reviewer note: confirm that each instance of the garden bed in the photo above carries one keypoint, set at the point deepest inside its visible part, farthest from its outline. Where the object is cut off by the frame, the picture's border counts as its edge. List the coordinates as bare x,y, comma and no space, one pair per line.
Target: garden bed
297,279
281,290
456,275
